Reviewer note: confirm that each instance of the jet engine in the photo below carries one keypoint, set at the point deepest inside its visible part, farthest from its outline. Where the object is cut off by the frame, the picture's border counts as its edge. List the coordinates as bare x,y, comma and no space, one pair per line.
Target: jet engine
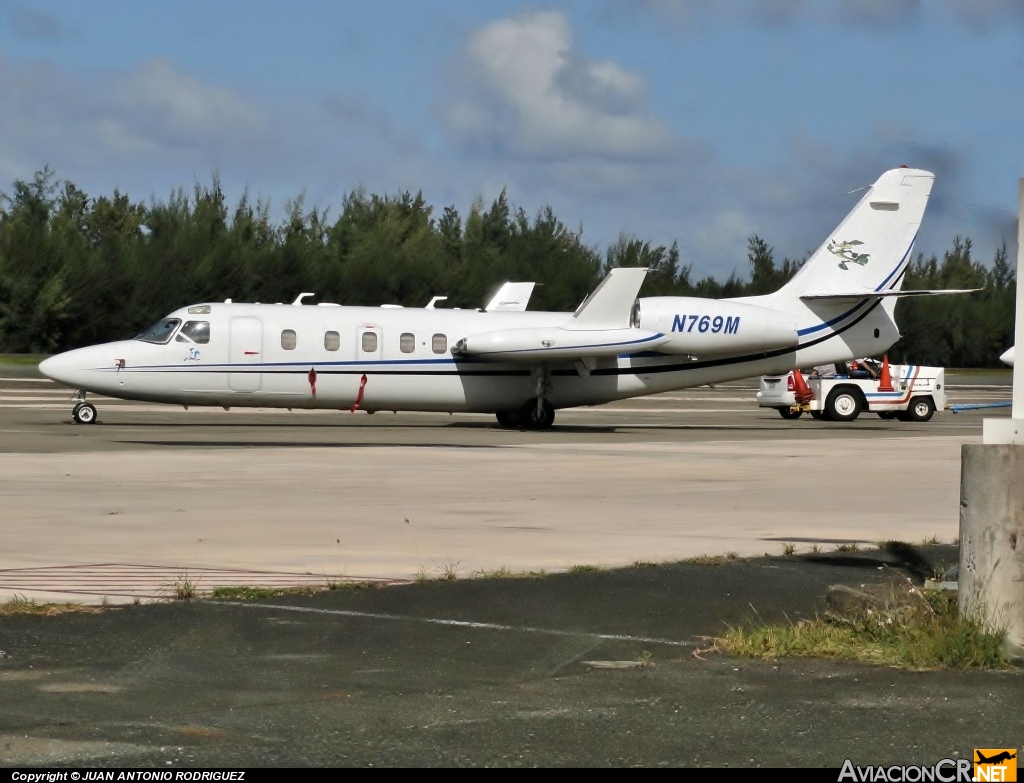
714,327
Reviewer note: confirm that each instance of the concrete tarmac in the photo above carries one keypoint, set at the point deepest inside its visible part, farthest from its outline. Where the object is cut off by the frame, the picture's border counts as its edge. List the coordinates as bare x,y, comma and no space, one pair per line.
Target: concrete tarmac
122,509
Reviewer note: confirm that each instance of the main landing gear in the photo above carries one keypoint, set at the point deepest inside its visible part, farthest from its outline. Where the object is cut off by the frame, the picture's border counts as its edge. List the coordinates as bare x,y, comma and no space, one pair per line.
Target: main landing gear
535,414
83,412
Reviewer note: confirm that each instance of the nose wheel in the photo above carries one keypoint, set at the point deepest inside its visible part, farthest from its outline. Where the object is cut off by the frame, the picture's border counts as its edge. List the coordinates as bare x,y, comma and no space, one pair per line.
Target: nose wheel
84,413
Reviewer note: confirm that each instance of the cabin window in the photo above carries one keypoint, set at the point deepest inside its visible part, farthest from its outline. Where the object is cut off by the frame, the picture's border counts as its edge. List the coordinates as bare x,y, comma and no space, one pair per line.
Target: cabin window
369,342
439,343
332,341
407,342
288,339
196,331
160,332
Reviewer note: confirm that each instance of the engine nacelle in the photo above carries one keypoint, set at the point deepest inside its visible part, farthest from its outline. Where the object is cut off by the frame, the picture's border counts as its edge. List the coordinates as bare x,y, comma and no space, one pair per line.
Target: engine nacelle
548,343
715,327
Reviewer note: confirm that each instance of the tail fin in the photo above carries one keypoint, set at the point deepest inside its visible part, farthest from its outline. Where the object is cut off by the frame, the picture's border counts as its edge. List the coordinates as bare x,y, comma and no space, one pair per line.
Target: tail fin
870,250
511,297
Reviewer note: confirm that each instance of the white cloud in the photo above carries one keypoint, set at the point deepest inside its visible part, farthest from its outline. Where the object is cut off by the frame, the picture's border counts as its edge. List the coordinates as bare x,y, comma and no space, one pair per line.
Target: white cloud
155,112
534,96
161,105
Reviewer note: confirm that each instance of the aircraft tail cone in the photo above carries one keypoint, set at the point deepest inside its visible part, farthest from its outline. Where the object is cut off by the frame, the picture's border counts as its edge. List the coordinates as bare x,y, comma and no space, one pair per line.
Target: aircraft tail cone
885,379
801,390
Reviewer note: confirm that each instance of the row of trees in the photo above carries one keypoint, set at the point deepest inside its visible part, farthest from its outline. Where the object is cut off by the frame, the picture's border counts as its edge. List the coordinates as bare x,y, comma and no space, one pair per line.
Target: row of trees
76,270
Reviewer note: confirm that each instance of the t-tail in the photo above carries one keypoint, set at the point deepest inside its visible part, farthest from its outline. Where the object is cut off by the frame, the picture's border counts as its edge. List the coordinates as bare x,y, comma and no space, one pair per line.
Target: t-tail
869,252
839,305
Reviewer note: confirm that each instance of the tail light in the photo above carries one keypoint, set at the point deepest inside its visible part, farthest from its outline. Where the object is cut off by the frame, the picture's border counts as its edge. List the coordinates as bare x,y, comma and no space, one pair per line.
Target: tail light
790,386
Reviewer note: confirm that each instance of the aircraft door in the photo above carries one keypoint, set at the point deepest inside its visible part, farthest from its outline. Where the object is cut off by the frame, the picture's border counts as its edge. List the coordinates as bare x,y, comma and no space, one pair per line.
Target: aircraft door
245,348
369,342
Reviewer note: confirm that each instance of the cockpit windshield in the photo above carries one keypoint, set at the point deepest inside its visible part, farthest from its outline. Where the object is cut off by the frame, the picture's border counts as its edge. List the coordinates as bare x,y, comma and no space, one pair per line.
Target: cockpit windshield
160,332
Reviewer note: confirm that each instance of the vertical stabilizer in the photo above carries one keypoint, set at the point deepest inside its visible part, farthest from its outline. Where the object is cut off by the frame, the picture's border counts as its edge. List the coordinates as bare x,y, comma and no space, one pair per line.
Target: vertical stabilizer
870,249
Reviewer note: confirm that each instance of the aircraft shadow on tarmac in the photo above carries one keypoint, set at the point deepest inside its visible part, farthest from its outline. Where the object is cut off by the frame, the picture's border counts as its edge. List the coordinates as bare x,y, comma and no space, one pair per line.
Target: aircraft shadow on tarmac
477,426
904,557
300,444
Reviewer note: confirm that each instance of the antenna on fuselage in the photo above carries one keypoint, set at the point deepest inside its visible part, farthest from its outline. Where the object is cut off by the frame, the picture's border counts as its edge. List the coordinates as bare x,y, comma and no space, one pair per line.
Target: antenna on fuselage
434,301
300,297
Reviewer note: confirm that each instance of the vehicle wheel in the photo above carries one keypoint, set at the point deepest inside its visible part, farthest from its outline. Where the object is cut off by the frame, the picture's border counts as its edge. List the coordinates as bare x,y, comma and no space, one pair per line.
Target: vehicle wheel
508,419
887,414
789,413
843,405
84,413
819,415
921,409
533,419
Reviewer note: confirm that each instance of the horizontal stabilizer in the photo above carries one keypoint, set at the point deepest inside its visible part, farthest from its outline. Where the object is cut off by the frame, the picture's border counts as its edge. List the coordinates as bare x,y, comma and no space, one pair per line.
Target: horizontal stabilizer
856,295
610,305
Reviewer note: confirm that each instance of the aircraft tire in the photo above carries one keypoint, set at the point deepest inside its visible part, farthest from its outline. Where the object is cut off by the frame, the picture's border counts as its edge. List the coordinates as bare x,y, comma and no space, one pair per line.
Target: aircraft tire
509,419
532,420
921,409
84,413
789,413
843,404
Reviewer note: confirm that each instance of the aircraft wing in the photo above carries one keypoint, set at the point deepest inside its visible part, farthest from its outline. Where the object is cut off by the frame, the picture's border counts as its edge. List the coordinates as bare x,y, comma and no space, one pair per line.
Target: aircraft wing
884,294
511,297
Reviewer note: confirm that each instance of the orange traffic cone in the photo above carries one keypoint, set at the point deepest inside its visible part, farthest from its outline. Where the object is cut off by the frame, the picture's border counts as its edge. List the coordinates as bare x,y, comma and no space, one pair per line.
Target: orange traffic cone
802,391
885,379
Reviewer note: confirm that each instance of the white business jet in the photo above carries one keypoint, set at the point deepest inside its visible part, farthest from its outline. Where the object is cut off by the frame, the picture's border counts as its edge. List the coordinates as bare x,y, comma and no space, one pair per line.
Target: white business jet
520,365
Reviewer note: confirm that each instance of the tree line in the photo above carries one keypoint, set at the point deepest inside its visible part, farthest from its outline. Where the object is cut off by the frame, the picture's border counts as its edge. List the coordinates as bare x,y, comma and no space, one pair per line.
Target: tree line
77,270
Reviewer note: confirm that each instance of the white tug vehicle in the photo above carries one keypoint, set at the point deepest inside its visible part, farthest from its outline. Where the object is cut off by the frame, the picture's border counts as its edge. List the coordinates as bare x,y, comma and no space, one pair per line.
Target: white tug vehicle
841,392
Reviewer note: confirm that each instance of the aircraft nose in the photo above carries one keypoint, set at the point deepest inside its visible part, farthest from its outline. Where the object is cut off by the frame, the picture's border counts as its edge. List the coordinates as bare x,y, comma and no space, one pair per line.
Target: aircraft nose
60,368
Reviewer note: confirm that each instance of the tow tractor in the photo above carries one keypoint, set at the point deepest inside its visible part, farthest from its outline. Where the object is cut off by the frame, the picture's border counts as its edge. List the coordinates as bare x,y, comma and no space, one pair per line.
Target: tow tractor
841,392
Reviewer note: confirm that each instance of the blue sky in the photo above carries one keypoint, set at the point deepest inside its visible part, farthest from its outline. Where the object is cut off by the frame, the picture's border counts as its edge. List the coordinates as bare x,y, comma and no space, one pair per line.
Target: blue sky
701,121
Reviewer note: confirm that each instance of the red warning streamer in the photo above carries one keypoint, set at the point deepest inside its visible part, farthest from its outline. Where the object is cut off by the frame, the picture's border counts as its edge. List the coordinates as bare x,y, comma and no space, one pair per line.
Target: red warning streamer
359,394
312,380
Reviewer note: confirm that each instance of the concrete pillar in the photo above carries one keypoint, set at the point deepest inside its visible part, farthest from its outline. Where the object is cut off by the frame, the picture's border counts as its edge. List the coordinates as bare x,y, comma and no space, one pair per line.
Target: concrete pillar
991,579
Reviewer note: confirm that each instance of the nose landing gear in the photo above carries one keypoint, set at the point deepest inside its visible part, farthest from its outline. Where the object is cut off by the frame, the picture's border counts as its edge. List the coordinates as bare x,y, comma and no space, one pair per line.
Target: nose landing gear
83,412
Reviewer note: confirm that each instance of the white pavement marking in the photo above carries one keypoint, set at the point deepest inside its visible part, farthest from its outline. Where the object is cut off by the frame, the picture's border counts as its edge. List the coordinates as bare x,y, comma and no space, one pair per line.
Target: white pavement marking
614,637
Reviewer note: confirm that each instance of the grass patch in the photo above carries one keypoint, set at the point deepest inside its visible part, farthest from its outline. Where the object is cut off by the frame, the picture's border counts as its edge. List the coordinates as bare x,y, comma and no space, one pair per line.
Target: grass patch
250,593
713,560
444,572
22,359
852,546
788,549
507,573
644,564
182,588
22,605
253,593
583,568
920,634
